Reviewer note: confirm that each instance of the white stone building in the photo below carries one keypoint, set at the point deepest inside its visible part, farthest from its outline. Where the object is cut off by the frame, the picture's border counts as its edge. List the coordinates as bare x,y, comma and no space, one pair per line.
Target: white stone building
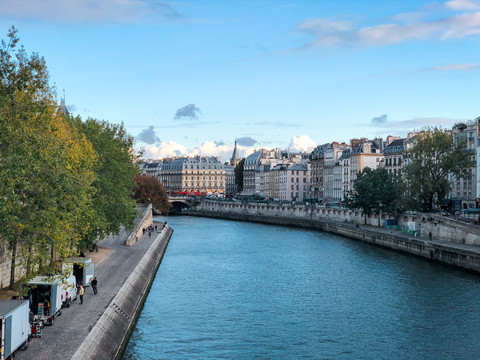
294,182
466,190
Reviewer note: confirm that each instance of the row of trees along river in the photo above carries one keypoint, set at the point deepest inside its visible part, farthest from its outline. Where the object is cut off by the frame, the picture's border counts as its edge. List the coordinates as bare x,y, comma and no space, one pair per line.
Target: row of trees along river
64,182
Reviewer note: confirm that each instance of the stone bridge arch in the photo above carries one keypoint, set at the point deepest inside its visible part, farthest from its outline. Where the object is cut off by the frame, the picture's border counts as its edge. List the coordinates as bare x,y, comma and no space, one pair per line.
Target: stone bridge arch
180,203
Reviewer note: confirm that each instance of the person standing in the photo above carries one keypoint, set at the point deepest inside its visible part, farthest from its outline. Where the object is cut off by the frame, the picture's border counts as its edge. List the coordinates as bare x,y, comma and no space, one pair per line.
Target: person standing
81,292
94,286
430,236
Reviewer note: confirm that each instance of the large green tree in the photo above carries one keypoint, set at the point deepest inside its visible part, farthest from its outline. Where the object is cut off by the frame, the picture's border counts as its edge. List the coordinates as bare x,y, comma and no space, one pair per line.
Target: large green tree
239,175
149,190
115,172
432,158
46,167
376,192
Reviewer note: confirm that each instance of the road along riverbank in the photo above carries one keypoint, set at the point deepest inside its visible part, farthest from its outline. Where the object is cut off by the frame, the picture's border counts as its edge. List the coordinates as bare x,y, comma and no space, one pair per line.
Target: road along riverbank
110,334
463,256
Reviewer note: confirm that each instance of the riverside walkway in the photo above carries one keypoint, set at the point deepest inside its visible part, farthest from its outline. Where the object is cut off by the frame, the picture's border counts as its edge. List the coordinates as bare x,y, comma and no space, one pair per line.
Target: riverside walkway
61,340
442,243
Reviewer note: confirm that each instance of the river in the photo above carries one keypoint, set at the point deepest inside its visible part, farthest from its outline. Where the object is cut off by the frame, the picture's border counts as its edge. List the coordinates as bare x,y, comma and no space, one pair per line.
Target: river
235,290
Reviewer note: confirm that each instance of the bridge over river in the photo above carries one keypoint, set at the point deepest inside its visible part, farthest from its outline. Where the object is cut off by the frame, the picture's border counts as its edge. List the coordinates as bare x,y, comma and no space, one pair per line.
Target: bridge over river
182,202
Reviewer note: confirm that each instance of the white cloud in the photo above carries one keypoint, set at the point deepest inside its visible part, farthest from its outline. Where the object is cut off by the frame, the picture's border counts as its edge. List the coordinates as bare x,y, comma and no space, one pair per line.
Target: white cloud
302,143
402,127
457,67
88,10
461,5
208,148
164,149
422,25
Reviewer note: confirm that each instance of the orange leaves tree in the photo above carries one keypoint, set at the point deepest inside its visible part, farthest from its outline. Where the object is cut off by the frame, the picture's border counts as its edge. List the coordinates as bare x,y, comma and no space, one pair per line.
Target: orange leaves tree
64,183
46,166
149,190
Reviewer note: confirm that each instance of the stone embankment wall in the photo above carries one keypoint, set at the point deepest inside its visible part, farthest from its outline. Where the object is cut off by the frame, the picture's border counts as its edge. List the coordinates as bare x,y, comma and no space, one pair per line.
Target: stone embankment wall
144,222
448,229
110,334
20,270
5,265
335,223
441,227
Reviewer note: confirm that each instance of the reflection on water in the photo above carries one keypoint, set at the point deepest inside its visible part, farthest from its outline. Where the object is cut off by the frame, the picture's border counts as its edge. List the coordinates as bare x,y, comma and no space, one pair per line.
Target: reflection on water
234,290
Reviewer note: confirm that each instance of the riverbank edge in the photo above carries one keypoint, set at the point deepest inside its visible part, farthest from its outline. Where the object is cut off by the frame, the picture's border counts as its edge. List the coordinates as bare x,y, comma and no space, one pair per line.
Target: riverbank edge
441,253
110,335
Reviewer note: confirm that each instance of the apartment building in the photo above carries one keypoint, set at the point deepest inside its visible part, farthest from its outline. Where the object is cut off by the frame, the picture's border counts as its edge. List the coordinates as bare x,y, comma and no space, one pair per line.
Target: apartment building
199,174
465,190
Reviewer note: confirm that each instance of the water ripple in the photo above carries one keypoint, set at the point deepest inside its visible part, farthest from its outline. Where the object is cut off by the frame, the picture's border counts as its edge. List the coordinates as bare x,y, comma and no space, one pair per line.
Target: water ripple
232,290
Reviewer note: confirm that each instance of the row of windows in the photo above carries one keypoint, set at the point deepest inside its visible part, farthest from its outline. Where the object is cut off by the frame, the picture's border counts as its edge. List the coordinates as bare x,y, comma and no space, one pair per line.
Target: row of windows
396,161
202,184
180,167
187,178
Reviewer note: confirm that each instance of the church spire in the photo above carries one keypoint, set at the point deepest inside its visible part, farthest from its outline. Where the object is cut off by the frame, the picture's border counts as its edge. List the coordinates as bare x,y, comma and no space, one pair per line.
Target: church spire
63,106
235,159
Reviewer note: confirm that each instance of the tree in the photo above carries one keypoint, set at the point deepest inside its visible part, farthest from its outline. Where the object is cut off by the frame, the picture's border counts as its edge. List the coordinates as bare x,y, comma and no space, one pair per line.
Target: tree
148,189
45,165
115,172
376,192
431,160
239,175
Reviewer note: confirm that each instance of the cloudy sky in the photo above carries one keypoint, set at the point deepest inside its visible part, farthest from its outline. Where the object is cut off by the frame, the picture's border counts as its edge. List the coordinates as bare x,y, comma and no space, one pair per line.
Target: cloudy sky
193,76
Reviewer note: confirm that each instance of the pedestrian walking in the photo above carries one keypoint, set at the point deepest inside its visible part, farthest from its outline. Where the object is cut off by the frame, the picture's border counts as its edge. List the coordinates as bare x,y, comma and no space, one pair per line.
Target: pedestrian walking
149,234
94,286
81,291
430,236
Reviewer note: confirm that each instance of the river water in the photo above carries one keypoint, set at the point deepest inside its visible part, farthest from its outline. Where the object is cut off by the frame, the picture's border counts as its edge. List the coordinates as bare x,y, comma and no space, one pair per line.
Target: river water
234,290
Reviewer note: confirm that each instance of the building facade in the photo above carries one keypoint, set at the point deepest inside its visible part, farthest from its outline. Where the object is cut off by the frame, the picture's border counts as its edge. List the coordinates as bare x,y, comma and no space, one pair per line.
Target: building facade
195,175
465,190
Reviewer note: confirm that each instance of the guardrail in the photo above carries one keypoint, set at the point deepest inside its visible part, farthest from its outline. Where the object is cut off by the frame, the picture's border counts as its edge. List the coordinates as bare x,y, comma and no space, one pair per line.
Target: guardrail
133,236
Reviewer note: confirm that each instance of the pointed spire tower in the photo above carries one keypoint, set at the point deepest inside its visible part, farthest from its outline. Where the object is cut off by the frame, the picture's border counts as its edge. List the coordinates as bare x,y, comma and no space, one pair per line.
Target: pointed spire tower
235,159
63,106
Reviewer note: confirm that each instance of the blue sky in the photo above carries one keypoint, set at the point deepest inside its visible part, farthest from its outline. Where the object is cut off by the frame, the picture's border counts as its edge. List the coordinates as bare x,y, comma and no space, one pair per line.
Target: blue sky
190,77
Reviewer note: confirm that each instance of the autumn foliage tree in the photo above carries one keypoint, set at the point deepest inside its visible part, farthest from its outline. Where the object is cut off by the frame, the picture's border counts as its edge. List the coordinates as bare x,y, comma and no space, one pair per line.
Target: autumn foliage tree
149,190
46,167
115,171
64,183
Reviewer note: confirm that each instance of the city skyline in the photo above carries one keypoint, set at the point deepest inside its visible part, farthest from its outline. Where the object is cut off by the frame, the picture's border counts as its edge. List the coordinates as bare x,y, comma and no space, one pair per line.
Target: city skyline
190,78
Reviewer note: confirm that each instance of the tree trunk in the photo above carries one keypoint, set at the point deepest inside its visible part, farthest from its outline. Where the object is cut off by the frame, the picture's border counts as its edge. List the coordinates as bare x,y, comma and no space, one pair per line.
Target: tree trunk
13,264
29,261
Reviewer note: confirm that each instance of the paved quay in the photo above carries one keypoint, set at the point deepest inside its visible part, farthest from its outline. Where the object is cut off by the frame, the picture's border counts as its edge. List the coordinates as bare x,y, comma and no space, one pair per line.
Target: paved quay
61,340
447,244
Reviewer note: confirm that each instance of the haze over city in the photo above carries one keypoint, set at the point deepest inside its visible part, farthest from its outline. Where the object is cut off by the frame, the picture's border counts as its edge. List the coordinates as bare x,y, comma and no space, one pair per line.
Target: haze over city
191,77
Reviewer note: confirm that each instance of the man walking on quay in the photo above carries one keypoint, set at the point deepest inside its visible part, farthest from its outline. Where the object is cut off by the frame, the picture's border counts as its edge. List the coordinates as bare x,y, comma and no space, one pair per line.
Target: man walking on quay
81,291
94,286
